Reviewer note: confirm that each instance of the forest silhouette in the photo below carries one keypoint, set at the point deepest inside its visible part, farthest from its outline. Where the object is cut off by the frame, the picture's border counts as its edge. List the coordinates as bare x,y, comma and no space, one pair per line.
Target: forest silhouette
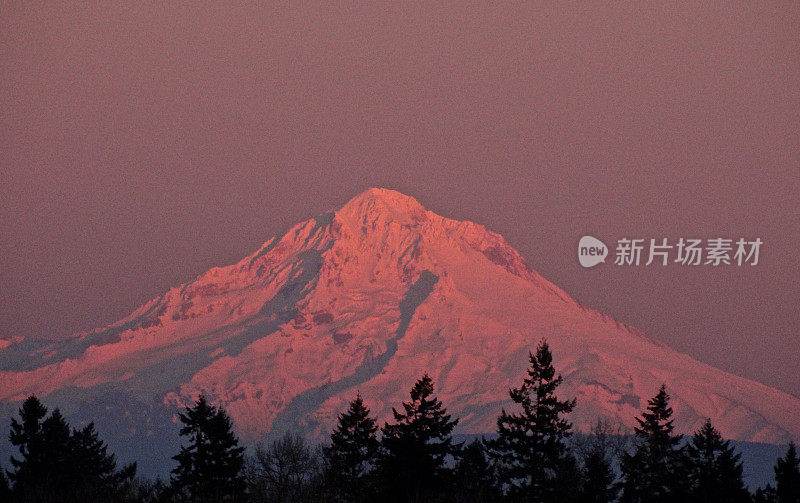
533,457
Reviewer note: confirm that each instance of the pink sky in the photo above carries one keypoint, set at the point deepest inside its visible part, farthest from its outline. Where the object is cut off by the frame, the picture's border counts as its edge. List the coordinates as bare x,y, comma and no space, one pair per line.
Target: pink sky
141,144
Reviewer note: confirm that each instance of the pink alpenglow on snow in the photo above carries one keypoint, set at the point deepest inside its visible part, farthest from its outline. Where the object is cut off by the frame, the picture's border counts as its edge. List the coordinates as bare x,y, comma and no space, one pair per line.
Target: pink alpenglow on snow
368,298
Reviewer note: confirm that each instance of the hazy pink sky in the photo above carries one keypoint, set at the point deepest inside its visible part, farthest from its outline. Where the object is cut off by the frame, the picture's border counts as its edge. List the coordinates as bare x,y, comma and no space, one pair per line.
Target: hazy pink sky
144,142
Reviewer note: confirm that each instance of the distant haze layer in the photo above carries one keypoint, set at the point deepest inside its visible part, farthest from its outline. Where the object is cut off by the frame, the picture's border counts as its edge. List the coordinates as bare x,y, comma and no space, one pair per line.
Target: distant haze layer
142,144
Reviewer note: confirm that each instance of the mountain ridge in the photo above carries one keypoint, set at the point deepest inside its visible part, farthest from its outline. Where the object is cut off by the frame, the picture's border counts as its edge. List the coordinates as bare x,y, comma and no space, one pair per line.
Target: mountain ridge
367,298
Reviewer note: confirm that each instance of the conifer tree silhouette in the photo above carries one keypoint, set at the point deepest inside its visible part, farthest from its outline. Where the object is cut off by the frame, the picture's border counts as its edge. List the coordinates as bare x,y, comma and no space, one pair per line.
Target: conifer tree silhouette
5,489
787,477
475,479
210,467
530,452
598,454
715,468
656,470
765,494
94,474
60,464
44,471
414,450
352,453
28,471
598,484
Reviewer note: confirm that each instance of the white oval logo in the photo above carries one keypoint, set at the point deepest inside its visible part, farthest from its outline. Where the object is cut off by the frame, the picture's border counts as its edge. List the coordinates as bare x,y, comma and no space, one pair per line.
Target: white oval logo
591,251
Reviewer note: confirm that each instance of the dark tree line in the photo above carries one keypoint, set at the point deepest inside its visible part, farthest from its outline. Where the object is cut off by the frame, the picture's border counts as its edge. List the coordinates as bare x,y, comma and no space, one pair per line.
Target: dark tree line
57,463
533,458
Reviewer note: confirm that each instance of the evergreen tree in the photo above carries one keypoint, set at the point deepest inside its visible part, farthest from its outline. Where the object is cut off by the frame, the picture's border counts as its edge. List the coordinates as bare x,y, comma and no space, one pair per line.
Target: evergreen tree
765,495
787,477
598,454
715,468
60,464
94,474
57,453
26,435
210,467
41,471
5,489
530,451
474,475
352,452
598,481
412,464
656,470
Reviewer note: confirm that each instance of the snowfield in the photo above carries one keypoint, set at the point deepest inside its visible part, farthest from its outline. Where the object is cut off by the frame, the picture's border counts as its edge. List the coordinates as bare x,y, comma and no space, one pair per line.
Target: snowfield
368,298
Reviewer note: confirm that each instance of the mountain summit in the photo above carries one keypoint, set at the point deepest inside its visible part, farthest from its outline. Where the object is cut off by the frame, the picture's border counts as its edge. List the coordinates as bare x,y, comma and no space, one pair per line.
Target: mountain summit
368,298
384,202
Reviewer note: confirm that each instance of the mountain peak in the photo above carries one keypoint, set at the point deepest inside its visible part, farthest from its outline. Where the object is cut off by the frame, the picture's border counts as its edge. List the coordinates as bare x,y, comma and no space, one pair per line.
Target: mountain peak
366,299
383,204
384,194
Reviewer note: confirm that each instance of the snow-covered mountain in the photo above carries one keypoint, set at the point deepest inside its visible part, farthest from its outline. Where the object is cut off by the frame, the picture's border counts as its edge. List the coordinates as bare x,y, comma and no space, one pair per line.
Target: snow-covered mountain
368,298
